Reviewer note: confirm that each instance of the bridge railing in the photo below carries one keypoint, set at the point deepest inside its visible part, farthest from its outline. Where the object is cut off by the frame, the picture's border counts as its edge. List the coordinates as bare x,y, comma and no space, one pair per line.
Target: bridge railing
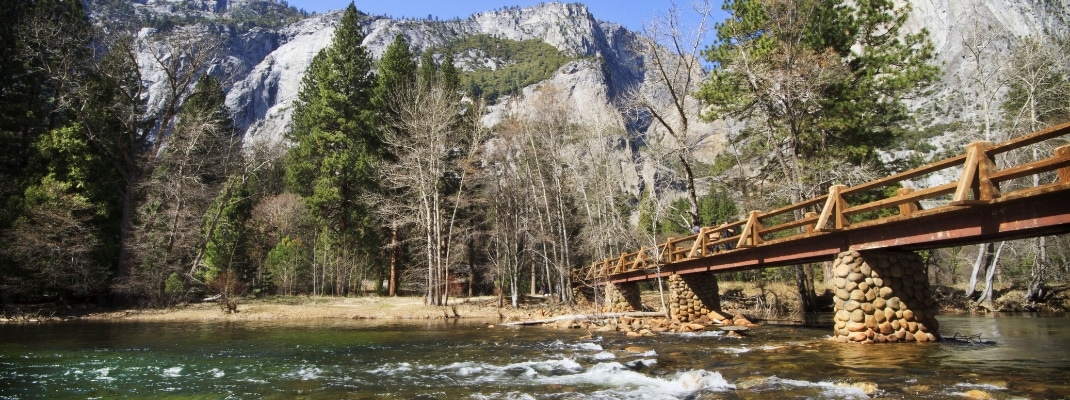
867,204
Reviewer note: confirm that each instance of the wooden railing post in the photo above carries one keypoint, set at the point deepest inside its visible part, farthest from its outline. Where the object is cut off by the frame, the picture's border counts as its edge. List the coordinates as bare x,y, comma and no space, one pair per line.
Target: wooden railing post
698,246
975,176
750,236
810,228
1064,173
833,210
906,209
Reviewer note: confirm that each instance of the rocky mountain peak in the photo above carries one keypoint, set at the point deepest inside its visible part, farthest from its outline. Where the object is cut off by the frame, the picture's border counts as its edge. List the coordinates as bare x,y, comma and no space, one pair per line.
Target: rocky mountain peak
569,27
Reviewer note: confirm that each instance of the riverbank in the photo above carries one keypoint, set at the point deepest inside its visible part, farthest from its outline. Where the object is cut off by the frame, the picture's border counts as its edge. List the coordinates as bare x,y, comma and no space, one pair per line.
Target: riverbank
774,301
295,308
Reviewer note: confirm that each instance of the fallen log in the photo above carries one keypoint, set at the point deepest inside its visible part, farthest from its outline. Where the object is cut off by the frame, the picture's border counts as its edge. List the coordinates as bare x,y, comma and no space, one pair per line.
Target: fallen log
582,317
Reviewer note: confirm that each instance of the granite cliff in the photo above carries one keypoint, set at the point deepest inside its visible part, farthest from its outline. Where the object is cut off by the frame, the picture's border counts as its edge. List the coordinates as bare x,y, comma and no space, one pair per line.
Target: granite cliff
270,45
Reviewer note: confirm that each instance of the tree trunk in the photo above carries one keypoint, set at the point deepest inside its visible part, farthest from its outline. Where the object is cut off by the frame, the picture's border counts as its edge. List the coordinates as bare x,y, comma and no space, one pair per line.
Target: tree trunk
1037,274
394,250
715,288
126,229
804,281
692,194
986,295
471,266
984,254
534,282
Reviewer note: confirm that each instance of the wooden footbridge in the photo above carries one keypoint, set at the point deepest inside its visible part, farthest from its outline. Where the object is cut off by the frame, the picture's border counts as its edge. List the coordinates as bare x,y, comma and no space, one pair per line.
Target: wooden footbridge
996,197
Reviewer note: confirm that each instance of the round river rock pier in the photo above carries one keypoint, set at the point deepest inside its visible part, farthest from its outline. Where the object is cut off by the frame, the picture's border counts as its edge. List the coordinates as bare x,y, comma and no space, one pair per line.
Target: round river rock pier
882,297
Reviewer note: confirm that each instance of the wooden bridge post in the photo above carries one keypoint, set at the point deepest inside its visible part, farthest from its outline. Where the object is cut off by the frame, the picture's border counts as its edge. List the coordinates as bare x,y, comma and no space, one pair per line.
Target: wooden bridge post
833,210
907,208
975,176
1064,173
883,296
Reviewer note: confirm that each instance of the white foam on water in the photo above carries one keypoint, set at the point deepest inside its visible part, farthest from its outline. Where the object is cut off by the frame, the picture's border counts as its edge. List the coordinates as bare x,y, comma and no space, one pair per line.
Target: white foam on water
505,396
306,373
392,369
172,372
102,374
467,368
735,350
547,367
587,347
984,386
702,334
648,353
217,373
624,383
961,389
557,344
828,389
603,356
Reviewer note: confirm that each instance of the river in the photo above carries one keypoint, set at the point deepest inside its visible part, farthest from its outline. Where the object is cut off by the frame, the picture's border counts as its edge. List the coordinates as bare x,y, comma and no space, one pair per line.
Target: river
1021,356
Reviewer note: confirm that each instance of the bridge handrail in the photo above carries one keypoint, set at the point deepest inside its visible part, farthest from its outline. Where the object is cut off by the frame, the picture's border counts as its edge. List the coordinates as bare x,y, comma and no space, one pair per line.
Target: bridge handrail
979,177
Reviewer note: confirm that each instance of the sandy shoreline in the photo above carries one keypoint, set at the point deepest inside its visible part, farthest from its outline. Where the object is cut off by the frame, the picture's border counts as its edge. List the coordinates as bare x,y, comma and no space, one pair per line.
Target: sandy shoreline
307,308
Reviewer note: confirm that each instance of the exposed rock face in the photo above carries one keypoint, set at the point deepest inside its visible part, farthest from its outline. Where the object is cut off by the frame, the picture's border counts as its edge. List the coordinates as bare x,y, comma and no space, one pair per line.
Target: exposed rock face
274,64
994,25
262,99
265,66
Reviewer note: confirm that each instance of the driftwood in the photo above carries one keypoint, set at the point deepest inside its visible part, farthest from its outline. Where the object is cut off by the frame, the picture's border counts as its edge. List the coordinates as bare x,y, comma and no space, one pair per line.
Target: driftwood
581,317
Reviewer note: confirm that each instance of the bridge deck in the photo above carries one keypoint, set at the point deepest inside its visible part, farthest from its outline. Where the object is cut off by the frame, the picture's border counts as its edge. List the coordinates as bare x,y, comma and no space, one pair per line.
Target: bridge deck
987,203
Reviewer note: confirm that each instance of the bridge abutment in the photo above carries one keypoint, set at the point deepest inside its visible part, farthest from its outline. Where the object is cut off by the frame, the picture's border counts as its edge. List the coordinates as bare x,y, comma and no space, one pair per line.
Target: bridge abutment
622,297
883,296
694,296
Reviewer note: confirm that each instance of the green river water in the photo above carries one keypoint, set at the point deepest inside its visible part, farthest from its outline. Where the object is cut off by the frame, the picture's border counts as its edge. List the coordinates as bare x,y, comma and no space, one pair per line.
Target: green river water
1021,356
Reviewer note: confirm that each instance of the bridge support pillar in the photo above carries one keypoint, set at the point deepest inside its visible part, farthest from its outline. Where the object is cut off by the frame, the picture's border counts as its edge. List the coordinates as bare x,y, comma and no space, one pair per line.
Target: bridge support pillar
883,296
694,296
622,297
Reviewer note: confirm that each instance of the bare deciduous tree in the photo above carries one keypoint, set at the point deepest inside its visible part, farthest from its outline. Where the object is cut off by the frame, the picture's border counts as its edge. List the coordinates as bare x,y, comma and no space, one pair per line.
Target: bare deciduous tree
429,174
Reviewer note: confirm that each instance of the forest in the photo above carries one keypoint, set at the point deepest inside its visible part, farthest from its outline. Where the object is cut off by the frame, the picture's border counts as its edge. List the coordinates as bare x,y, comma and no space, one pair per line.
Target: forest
388,182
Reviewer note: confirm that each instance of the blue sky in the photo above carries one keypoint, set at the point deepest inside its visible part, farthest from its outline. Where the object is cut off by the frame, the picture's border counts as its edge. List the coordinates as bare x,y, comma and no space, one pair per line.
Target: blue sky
633,14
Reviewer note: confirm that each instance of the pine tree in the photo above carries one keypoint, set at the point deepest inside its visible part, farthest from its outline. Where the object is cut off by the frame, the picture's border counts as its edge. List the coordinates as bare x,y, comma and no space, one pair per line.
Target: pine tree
226,239
396,68
428,69
336,147
451,78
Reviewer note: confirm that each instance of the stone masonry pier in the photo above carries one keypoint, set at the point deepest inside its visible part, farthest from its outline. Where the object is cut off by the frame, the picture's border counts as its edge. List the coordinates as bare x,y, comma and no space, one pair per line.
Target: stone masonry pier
694,296
622,297
882,297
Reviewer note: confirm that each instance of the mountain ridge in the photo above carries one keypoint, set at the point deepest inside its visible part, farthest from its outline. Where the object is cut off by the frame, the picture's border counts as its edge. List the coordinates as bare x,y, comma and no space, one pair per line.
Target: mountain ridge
264,65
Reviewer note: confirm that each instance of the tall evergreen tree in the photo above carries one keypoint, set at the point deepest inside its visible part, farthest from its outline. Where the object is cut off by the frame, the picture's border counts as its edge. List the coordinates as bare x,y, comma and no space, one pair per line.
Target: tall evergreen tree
396,69
451,78
225,236
336,147
428,69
